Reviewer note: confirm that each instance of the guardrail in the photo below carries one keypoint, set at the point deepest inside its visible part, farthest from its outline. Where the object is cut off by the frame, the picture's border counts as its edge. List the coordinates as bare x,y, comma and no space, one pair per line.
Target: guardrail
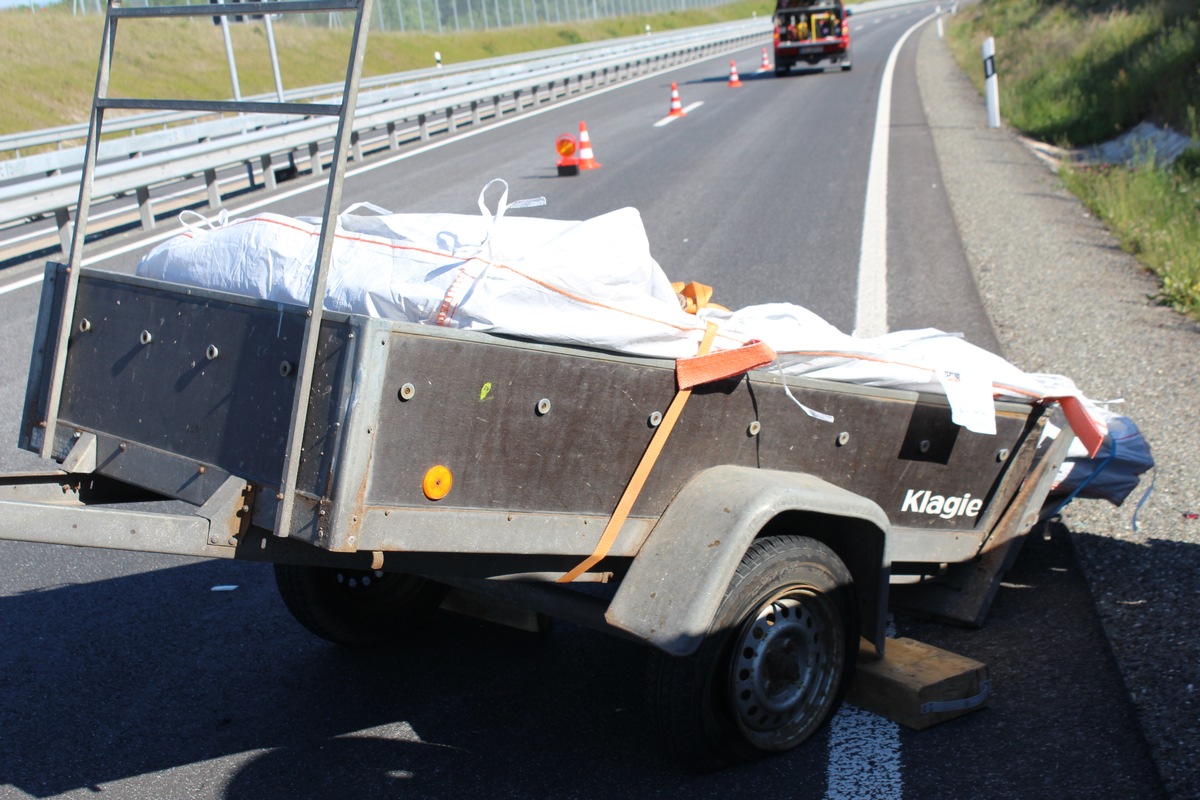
261,137
444,75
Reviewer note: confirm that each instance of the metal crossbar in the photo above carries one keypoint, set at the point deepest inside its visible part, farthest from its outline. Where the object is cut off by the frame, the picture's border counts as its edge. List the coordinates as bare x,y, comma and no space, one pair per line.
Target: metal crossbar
226,106
345,115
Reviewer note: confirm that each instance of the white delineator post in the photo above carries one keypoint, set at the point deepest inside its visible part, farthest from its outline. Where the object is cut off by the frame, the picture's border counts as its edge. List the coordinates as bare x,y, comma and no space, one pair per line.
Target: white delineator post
941,31
990,85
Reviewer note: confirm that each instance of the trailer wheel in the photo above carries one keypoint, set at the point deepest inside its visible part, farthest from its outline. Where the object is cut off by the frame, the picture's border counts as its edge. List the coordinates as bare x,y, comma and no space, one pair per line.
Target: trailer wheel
774,665
356,608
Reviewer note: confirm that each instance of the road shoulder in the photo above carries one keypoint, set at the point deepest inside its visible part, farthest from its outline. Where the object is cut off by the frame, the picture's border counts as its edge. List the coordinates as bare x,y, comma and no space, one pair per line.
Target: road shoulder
1064,298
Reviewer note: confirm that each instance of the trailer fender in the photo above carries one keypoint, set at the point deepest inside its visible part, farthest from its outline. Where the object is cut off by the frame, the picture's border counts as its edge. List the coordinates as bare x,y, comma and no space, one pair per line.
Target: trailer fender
671,593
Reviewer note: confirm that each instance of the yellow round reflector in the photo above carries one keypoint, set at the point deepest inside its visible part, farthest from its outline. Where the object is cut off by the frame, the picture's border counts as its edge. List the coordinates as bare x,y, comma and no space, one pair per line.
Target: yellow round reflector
565,145
437,482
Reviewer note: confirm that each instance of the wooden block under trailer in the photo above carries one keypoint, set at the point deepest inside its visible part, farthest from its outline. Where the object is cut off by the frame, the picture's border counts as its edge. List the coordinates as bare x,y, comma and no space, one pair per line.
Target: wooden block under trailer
918,685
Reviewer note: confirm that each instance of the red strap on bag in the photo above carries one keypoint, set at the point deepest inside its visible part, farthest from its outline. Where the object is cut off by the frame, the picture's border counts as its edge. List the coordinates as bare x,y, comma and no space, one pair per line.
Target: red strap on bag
698,370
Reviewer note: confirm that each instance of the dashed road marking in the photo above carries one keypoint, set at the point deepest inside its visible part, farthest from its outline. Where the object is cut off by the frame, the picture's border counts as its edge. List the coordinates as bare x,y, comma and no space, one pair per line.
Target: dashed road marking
668,119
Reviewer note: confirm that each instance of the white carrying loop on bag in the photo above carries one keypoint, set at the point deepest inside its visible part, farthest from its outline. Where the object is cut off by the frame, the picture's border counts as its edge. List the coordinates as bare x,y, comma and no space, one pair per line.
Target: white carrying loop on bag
459,291
501,208
203,224
381,211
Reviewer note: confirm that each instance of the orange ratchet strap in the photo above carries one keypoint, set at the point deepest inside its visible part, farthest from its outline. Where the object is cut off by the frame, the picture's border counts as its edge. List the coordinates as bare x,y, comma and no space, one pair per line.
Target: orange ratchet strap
689,372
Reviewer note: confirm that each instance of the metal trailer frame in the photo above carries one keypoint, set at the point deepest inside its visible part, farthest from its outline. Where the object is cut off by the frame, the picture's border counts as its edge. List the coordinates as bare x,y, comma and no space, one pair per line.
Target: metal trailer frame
344,112
185,393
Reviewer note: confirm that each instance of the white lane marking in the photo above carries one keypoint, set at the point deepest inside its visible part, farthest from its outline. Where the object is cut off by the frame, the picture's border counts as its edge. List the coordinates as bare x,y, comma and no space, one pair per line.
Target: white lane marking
143,243
864,748
864,754
867,766
21,284
870,314
688,108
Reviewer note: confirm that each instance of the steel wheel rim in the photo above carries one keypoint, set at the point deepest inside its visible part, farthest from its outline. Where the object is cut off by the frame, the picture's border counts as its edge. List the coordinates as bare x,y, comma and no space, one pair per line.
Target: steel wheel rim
368,588
785,668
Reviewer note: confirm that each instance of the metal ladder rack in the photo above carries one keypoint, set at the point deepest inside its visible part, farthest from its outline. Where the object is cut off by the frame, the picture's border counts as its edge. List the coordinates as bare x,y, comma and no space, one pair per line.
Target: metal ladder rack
344,111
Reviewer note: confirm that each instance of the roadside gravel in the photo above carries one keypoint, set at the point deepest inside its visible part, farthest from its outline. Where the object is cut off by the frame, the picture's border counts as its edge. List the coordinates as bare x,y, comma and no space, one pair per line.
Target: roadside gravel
1064,298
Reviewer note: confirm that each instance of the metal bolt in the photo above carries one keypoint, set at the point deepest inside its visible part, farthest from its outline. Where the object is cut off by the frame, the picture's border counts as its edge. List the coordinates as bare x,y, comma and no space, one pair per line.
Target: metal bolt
843,438
122,447
146,337
1002,456
755,427
655,419
211,352
201,469
407,391
85,325
543,406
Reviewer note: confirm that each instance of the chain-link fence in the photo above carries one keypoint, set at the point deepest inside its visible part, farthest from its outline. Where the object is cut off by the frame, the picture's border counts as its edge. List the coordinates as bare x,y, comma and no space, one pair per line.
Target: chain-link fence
442,16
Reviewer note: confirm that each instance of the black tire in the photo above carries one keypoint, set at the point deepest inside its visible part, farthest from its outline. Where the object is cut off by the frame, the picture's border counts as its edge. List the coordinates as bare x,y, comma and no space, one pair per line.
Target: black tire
774,666
357,608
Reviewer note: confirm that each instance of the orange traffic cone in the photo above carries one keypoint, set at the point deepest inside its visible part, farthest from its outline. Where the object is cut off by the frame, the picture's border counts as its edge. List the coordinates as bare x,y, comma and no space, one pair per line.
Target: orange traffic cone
734,81
676,106
586,159
766,62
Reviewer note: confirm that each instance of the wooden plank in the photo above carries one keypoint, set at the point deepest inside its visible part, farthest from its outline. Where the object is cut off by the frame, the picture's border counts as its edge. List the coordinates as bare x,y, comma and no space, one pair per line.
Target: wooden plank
916,684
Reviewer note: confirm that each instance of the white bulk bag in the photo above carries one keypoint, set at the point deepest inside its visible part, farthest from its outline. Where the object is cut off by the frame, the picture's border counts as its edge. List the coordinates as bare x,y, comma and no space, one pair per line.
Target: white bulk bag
591,283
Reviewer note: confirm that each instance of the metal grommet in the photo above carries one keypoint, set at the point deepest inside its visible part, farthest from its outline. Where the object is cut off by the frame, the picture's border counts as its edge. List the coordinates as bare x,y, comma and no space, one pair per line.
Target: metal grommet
1002,456
85,325
285,368
655,419
754,428
843,438
211,352
924,446
543,406
407,391
146,337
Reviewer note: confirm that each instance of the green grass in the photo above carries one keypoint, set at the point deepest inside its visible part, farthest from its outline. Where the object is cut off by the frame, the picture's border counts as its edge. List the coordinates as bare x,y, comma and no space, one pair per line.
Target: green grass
50,57
1079,72
1154,211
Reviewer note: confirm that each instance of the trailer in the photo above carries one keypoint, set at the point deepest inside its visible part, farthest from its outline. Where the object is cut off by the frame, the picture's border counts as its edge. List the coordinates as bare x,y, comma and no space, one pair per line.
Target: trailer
382,466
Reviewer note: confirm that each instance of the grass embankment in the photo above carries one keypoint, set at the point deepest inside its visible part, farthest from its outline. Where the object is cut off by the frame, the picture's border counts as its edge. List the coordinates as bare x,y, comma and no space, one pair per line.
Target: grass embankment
50,56
1078,72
